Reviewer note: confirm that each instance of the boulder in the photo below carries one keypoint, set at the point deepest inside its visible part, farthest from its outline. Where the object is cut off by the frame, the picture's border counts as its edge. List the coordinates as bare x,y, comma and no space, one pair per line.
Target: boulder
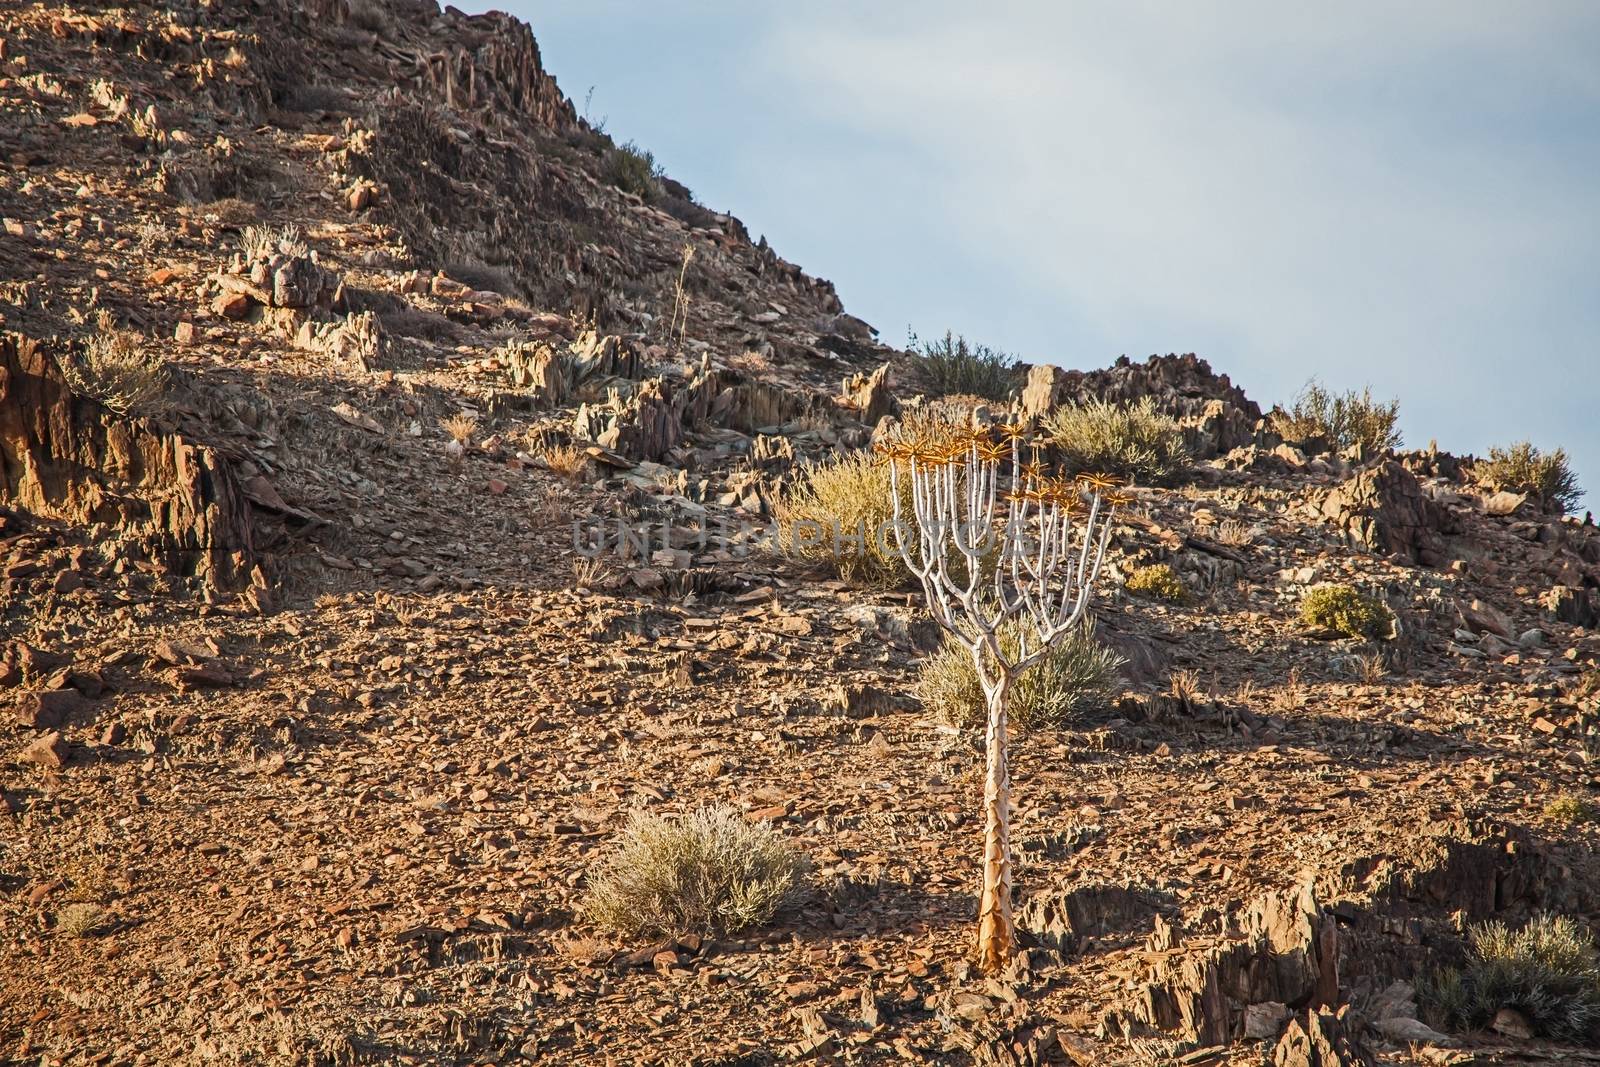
1321,1038
357,339
1043,391
1218,429
1384,509
869,395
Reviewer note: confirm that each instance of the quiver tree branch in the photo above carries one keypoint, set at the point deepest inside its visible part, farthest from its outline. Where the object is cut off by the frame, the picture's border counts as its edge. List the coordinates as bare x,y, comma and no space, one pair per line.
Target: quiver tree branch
1029,545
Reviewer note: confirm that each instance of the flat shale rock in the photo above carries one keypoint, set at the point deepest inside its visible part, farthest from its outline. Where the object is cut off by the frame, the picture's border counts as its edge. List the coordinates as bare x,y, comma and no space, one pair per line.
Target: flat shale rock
48,710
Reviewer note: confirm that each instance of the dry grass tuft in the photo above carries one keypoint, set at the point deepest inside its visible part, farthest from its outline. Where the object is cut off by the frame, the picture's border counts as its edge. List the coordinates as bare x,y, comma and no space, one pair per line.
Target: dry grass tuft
460,427
1234,534
264,242
1523,468
752,363
1547,971
1371,667
1078,673
835,514
114,370
708,872
1135,441
566,461
590,573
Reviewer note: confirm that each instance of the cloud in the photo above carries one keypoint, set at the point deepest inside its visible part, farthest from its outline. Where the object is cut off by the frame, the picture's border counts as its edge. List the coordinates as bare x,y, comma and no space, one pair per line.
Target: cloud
1400,195
1394,194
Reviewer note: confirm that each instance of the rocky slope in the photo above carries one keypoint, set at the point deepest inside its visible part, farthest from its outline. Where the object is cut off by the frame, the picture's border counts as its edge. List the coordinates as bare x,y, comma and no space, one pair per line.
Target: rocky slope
319,717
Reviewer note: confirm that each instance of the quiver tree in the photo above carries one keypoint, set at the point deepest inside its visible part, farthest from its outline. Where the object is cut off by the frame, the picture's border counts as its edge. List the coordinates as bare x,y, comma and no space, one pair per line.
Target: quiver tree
993,539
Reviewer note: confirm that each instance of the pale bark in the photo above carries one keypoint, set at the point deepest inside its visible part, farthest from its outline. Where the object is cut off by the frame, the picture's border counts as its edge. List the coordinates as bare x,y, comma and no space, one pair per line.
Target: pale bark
996,932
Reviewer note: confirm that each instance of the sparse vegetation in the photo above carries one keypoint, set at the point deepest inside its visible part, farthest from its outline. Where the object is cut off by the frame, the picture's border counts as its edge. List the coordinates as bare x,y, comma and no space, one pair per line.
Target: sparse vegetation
1235,534
1078,673
1340,419
264,242
1158,580
115,369
590,573
460,427
1370,667
708,872
955,366
1569,809
80,920
1342,608
1134,441
1523,468
633,170
834,514
566,461
1547,971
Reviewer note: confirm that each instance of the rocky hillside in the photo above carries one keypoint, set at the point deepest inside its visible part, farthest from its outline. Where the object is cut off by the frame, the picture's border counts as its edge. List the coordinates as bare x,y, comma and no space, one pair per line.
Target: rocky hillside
321,713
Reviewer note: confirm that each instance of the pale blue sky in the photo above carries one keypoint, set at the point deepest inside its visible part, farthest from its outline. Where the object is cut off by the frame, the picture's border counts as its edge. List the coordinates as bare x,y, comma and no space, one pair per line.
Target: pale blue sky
1403,198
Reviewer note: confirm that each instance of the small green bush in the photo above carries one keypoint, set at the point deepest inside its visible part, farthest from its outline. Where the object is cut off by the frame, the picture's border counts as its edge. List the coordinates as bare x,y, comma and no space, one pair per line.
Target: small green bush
633,170
849,497
1523,468
1158,580
1342,608
1569,809
1078,673
1134,441
1547,971
708,873
1341,419
955,367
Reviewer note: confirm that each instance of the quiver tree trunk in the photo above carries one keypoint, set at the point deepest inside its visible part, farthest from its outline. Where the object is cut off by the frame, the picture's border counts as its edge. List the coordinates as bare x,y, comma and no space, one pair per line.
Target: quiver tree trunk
996,932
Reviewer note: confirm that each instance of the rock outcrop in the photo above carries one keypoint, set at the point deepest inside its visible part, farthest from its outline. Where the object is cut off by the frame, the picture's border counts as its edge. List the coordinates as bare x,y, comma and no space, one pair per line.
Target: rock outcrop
1384,509
1216,415
69,458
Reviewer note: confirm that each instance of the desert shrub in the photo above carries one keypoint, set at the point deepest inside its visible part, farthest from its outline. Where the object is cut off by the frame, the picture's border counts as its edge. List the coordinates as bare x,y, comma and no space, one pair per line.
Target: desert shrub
708,872
1158,580
633,170
1569,809
1342,608
1134,441
80,920
481,275
850,497
1078,673
1523,468
1547,971
116,371
954,366
1341,419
